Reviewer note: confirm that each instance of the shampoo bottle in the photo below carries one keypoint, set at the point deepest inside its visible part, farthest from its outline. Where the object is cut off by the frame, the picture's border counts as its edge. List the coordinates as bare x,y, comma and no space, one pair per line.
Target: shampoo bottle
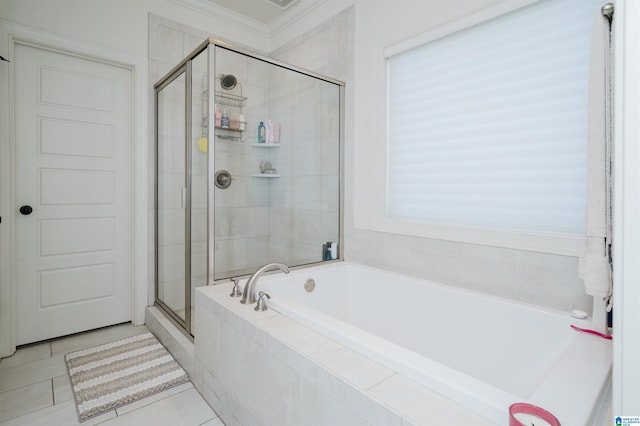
260,137
218,118
224,120
270,132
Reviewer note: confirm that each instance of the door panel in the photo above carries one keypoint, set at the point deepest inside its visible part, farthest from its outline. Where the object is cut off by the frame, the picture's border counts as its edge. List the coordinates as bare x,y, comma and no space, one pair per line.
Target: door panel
73,167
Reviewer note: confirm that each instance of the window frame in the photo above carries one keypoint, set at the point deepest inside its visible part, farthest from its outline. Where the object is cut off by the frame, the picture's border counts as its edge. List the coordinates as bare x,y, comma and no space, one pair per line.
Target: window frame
545,242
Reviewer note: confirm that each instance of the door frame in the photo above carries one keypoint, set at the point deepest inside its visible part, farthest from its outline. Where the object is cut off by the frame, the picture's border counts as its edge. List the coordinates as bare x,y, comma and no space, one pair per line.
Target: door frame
11,34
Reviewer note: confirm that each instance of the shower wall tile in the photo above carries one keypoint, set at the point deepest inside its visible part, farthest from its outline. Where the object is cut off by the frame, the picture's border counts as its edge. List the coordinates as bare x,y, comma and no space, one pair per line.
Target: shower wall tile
257,73
241,222
235,195
258,192
276,94
173,222
309,156
228,62
198,192
170,44
199,225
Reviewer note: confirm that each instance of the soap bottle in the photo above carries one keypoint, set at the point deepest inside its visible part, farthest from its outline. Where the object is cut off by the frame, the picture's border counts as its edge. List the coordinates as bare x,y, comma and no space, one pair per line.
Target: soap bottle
224,121
260,137
218,118
242,123
269,131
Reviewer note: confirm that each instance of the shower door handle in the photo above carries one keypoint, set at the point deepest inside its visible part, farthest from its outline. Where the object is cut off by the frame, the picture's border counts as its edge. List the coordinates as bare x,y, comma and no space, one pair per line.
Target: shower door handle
184,198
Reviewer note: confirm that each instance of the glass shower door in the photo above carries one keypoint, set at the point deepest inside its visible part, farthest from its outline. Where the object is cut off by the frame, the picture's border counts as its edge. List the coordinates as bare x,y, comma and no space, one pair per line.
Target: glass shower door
181,188
171,194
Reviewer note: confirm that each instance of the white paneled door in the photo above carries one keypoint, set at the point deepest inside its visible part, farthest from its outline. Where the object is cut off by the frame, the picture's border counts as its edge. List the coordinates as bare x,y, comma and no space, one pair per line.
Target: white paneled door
73,136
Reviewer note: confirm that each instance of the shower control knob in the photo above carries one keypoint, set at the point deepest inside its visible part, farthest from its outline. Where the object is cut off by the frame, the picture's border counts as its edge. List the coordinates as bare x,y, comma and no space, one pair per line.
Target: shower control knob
222,179
26,210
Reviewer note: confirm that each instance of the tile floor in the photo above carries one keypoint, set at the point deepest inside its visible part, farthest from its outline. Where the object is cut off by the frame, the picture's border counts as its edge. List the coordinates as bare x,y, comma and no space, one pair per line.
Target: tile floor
35,389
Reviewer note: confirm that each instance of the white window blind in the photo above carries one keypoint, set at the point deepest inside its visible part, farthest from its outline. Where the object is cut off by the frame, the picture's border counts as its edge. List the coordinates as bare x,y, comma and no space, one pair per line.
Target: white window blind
487,127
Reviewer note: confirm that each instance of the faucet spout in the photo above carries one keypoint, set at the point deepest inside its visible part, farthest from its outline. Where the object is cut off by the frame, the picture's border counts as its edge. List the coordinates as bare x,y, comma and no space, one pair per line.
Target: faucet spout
249,292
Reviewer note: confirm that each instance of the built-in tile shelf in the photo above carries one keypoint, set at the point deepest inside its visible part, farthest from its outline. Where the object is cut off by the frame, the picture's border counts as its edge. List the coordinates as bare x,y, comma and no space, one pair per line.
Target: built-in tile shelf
264,175
265,145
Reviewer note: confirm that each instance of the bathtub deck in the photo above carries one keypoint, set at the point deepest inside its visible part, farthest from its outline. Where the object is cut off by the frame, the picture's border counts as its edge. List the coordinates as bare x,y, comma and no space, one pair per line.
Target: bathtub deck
271,370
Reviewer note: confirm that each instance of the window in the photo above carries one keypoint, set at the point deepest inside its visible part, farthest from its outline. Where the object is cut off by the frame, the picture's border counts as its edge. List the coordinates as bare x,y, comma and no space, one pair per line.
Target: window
487,126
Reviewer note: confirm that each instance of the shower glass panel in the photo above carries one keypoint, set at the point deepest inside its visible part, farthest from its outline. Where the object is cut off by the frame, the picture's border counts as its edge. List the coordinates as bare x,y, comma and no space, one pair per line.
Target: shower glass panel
248,171
198,179
283,204
171,184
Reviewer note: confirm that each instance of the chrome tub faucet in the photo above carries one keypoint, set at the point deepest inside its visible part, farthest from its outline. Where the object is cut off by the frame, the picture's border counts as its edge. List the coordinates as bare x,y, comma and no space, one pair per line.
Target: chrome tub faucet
249,293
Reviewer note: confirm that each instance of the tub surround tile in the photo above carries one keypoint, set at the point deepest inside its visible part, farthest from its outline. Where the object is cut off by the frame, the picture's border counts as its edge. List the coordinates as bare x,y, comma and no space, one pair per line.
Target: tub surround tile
317,408
225,403
353,367
208,339
421,406
341,390
294,334
180,347
234,310
258,378
263,356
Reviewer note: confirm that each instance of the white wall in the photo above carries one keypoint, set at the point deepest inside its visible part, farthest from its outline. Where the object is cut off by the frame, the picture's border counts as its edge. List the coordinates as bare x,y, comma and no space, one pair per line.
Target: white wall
121,24
533,277
543,279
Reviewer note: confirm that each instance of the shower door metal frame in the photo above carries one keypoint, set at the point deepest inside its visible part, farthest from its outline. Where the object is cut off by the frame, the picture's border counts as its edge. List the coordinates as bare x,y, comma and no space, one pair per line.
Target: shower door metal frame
185,66
186,69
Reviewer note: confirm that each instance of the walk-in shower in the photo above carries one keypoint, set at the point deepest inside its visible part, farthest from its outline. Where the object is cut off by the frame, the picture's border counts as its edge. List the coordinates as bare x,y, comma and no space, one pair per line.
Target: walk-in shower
248,171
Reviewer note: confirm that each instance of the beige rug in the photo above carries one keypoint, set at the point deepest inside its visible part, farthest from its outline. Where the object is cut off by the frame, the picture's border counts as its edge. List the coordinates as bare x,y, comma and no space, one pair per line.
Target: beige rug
109,376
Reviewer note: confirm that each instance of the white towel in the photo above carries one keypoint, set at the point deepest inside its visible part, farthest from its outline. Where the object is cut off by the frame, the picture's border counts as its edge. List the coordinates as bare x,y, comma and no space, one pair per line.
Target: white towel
594,260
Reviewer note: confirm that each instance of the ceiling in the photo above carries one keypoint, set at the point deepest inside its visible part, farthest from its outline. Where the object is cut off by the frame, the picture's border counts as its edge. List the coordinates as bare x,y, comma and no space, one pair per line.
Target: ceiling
258,10
260,16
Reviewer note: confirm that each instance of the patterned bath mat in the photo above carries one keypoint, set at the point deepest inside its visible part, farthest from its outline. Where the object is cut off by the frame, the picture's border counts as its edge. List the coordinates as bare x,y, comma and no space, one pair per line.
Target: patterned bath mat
109,376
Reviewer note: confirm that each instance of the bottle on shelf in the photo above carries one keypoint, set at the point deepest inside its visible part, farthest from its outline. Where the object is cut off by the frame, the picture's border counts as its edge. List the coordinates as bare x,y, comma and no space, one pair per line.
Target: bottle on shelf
224,120
218,118
261,134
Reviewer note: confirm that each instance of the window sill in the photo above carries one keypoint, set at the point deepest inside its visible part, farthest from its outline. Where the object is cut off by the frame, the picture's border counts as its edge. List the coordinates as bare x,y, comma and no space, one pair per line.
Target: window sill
552,243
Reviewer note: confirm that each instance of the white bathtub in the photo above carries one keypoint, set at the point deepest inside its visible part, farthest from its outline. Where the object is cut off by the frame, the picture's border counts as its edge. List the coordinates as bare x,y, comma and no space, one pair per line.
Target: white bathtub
482,352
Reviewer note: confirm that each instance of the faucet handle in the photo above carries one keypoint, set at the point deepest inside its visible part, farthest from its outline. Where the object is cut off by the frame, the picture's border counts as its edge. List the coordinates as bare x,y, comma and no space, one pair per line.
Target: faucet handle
236,290
261,306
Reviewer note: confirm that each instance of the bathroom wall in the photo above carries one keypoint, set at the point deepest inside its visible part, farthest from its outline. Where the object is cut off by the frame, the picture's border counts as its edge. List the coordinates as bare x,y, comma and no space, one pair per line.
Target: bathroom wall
326,49
124,26
119,24
544,279
349,47
304,207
